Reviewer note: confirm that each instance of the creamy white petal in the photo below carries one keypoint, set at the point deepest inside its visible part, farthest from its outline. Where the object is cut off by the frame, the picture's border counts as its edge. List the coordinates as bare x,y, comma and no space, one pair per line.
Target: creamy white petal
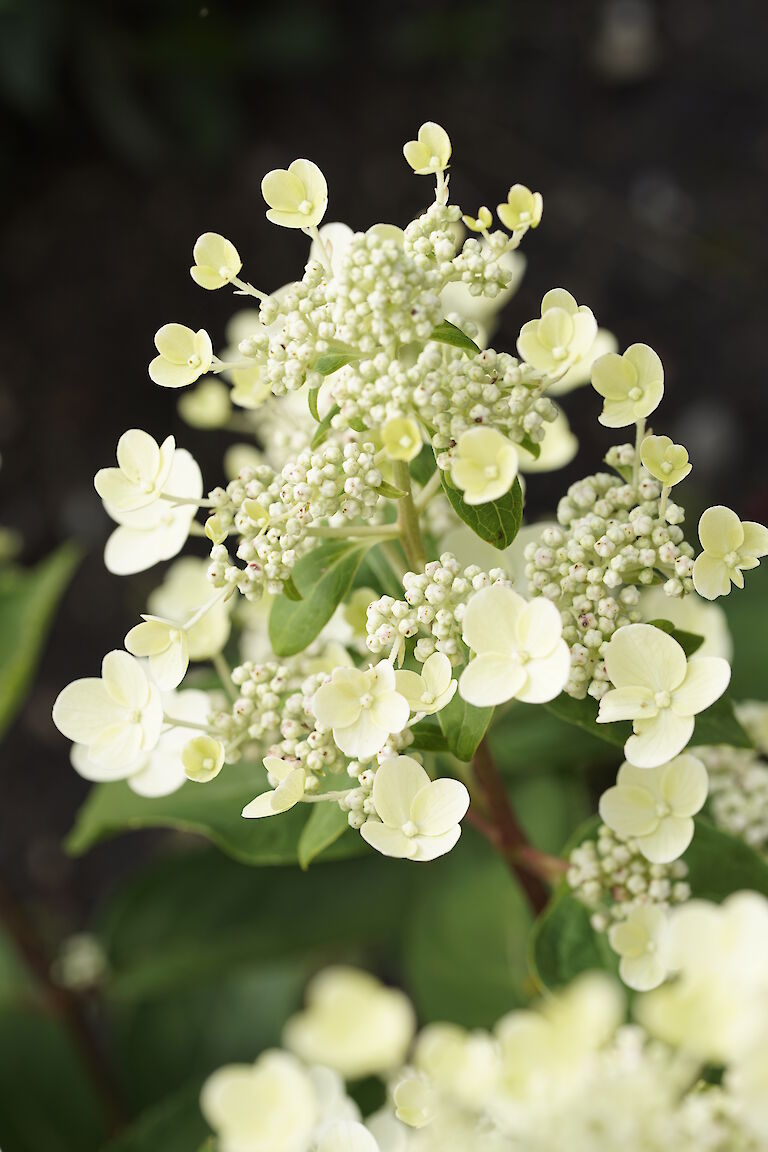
490,620
388,841
439,806
705,681
668,841
489,680
629,810
546,678
658,740
639,654
396,784
684,785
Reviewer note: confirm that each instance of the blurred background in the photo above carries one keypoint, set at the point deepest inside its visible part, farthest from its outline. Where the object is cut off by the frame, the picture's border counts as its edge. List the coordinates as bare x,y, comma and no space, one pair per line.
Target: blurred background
128,128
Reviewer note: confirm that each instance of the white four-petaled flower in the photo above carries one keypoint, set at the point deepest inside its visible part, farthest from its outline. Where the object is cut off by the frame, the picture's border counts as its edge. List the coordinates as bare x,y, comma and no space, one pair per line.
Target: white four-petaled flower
429,153
657,688
143,469
656,806
562,336
117,717
297,195
165,643
484,465
419,818
159,531
522,209
730,548
287,779
519,649
666,461
217,261
639,941
430,690
631,385
184,356
362,707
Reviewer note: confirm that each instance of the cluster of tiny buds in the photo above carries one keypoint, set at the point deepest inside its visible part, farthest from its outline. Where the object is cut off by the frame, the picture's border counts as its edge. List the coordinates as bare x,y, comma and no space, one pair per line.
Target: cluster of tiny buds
270,514
256,712
613,539
302,740
435,602
612,877
738,792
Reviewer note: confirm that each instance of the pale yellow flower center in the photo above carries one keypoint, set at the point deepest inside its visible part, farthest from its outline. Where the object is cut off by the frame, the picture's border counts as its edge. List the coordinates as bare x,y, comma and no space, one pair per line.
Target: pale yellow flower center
136,716
194,361
662,699
491,471
636,393
366,700
559,353
305,207
731,559
409,829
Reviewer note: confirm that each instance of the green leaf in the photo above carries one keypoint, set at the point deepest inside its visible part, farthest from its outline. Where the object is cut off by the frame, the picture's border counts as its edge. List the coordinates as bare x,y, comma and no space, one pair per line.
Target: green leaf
326,824
335,358
428,737
465,945
226,917
324,426
746,609
497,522
423,466
212,810
174,1125
290,590
28,599
447,333
323,578
564,944
583,713
690,642
463,726
719,864
312,396
525,743
48,1103
389,490
531,446
718,725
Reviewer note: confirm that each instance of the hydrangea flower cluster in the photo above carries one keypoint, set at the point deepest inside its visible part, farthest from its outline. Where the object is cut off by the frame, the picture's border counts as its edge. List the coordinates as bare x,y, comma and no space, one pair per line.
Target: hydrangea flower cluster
569,1062
355,659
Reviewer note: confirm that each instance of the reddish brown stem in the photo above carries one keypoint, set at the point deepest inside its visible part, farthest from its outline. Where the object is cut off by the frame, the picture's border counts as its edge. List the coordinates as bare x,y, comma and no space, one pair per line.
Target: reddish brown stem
65,1005
534,870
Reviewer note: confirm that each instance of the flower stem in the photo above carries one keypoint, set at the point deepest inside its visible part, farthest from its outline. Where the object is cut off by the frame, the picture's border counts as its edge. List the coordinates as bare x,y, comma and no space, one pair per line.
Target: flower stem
432,486
382,531
639,435
408,518
224,673
534,870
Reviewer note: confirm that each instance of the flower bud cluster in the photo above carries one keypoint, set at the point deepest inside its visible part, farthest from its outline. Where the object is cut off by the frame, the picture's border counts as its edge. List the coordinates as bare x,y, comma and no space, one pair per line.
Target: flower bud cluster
435,602
302,740
380,296
479,265
270,514
256,712
613,539
611,877
298,330
431,239
340,483
738,792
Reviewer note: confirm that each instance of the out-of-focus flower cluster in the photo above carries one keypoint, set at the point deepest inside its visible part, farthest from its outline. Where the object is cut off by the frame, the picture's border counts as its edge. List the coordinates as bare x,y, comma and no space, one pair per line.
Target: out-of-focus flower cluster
570,1063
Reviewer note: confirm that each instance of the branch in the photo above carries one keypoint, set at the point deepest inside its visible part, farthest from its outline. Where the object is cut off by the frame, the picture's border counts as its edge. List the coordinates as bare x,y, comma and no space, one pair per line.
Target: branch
65,1005
534,870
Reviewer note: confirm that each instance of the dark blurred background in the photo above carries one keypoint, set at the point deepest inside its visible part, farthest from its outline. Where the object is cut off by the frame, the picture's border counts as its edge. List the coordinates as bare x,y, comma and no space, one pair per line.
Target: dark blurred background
128,128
